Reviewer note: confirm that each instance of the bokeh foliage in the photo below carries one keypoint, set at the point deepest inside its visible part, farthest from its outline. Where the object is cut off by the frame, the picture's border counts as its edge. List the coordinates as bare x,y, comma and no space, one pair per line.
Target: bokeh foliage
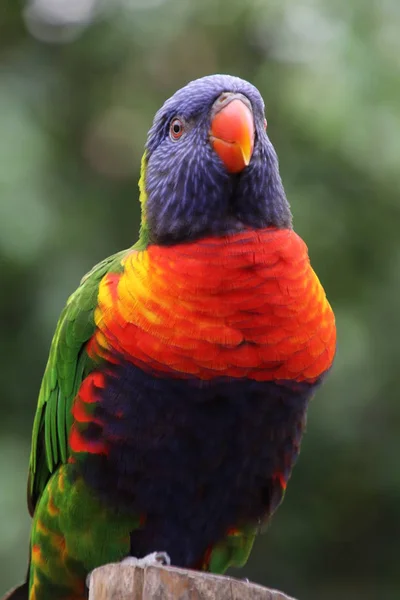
76,99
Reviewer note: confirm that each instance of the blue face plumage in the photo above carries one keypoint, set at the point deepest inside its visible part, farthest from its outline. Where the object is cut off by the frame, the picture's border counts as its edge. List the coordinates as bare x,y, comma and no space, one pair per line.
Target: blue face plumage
190,193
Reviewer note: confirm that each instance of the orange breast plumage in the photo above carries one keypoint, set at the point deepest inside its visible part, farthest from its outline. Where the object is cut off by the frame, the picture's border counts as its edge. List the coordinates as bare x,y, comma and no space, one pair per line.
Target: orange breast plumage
247,305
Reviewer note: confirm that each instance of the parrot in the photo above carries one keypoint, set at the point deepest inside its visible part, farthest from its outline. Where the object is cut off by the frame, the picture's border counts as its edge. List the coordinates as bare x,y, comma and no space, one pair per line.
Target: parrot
174,399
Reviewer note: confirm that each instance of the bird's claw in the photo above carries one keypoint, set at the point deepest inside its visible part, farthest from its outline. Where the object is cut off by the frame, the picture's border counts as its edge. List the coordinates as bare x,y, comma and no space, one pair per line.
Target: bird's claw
153,559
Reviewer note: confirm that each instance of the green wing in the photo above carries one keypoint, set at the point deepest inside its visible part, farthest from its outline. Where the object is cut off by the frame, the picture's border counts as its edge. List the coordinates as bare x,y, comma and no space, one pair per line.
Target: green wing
67,366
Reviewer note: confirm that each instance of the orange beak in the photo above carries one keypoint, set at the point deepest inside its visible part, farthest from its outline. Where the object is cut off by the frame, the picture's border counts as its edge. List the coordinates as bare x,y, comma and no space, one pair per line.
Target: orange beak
232,134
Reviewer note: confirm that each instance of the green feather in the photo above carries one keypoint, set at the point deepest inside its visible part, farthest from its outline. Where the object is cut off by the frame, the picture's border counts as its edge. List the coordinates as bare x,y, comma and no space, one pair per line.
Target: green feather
68,364
233,551
144,233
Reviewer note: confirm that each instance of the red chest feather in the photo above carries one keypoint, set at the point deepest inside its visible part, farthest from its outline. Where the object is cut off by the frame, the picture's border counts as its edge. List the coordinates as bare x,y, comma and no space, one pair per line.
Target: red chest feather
246,305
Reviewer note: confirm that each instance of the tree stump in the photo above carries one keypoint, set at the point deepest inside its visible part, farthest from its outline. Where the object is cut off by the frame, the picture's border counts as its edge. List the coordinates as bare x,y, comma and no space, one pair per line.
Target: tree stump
125,582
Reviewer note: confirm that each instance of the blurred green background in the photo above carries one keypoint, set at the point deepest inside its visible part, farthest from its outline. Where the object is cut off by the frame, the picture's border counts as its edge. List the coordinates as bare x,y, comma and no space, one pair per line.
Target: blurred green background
80,81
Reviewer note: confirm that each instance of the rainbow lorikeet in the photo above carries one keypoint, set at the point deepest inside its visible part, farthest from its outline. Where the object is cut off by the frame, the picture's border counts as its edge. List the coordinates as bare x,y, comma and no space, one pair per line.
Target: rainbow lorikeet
174,399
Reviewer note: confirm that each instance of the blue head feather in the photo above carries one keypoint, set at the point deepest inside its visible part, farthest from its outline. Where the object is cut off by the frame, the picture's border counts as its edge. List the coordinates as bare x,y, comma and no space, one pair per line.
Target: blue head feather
190,194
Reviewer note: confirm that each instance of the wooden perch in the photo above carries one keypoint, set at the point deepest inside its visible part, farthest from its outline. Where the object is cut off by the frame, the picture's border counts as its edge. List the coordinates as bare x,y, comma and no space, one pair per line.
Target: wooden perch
125,582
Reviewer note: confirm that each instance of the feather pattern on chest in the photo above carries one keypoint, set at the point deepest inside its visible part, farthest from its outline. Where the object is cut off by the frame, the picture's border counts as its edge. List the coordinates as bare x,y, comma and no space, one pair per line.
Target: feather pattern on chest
245,305
209,355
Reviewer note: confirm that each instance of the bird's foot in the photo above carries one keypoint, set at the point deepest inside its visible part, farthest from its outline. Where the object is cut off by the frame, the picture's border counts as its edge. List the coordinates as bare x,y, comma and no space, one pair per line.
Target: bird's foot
160,559
151,560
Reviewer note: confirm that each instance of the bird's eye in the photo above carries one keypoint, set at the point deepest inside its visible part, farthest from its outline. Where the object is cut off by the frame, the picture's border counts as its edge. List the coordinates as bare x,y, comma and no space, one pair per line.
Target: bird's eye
176,129
265,124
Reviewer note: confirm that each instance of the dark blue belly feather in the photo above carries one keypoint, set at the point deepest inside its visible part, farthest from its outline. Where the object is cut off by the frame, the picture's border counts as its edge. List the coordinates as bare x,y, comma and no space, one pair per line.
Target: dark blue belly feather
194,457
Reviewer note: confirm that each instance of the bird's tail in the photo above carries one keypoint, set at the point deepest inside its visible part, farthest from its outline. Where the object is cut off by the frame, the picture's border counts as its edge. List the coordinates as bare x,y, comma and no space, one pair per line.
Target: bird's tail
21,592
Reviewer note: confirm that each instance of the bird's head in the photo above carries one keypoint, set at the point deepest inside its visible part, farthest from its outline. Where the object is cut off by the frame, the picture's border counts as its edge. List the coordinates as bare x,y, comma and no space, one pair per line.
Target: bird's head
209,167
